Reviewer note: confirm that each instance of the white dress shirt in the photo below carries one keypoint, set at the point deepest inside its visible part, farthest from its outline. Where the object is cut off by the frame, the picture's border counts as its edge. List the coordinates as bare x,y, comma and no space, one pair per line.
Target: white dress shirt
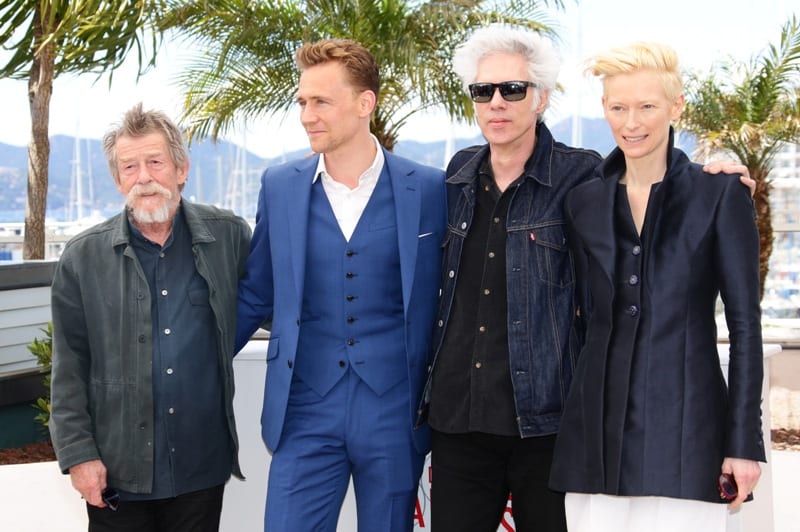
348,204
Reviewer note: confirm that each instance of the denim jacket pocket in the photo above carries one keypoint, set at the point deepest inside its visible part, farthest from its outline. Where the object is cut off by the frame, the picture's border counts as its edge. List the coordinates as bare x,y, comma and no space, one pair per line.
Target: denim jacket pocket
553,261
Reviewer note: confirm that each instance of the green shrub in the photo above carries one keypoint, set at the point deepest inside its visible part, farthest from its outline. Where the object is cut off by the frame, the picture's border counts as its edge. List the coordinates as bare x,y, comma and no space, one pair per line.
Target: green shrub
42,349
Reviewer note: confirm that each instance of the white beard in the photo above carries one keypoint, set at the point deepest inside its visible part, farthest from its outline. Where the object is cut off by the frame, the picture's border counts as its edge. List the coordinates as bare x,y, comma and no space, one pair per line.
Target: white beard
161,214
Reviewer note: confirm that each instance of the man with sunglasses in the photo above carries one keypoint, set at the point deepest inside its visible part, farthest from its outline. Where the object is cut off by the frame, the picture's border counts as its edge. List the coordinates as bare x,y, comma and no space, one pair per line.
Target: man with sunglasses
508,331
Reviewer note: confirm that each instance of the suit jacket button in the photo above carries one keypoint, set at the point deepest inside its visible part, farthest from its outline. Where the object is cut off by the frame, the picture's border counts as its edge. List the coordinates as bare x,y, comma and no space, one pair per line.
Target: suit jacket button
351,341
341,363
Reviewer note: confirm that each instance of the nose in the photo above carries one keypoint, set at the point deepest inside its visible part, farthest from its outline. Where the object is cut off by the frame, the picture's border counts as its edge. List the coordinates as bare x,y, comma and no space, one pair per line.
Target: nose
307,115
497,98
632,119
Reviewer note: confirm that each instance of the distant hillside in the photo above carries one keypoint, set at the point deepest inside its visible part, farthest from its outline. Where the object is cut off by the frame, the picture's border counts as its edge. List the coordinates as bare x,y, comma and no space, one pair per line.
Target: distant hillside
215,174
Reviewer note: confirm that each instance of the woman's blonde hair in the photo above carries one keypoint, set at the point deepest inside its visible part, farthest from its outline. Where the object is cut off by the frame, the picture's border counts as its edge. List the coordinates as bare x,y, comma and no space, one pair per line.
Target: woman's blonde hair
638,56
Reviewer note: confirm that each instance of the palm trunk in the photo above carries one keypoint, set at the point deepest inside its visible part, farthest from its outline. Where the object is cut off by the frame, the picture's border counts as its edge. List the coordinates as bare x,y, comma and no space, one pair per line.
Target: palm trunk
763,221
40,89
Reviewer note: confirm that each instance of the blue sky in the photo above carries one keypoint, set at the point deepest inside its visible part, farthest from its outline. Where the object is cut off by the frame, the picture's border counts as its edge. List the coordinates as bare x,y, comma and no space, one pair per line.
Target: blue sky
700,30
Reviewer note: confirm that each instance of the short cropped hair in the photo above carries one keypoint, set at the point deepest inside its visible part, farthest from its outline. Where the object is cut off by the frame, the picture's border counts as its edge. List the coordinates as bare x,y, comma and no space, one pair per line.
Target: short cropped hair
539,53
359,63
635,57
137,123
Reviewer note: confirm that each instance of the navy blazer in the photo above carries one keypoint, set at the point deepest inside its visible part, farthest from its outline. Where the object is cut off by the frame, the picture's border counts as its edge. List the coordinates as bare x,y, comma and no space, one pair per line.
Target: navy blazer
273,288
704,242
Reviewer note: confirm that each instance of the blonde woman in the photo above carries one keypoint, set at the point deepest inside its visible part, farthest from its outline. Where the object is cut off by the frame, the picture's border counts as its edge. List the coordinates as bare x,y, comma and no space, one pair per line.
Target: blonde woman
650,424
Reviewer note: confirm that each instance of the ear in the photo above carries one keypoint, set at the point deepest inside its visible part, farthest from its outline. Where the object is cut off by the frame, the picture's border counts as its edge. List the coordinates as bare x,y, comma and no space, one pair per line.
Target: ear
677,107
544,97
183,173
366,101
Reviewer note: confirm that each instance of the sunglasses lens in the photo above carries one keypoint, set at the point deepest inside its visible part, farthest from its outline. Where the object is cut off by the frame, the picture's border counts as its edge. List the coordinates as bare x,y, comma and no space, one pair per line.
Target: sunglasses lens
481,92
513,91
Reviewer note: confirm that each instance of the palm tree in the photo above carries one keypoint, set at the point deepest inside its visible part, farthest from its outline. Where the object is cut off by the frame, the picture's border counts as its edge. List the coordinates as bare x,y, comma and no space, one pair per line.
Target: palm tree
52,37
750,110
246,69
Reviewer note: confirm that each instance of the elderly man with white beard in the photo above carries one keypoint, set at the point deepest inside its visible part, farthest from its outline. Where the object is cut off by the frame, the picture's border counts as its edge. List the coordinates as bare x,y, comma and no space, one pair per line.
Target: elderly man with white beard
144,313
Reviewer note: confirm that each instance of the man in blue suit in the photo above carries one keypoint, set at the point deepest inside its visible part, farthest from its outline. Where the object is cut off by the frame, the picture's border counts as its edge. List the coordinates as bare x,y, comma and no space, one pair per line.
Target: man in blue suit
345,263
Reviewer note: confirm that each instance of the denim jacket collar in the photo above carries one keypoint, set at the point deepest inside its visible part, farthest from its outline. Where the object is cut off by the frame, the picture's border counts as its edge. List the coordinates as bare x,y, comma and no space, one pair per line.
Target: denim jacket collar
538,166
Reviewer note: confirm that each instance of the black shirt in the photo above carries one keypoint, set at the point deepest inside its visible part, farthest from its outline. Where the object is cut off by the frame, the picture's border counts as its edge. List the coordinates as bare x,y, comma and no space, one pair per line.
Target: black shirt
471,389
192,449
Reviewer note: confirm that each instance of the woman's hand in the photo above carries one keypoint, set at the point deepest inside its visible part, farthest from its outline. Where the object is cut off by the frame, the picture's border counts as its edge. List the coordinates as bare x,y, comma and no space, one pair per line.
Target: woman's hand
746,474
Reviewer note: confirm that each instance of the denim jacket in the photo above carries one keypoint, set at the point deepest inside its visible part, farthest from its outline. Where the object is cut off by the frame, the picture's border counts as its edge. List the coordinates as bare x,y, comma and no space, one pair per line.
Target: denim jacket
102,394
545,331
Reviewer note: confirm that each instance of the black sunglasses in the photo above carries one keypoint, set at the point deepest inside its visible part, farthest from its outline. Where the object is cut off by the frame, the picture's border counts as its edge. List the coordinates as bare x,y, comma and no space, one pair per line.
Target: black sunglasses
511,91
110,496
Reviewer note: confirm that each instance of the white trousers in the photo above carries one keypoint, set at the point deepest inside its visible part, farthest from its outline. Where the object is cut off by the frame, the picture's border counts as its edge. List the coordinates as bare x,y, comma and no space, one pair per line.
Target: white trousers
609,513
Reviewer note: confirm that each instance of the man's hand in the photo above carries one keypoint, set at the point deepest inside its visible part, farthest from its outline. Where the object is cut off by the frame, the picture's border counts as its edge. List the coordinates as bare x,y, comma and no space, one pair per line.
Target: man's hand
746,473
731,167
89,478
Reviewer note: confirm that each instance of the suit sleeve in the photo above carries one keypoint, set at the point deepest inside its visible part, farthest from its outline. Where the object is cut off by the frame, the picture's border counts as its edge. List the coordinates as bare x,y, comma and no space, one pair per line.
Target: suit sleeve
256,287
737,262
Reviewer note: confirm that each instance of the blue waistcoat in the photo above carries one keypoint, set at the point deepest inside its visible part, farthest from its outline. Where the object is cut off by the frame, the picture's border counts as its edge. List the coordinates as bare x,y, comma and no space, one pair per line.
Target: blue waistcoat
352,312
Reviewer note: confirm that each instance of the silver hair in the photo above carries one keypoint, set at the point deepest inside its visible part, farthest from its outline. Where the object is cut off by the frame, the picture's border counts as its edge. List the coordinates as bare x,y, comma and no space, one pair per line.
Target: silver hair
541,56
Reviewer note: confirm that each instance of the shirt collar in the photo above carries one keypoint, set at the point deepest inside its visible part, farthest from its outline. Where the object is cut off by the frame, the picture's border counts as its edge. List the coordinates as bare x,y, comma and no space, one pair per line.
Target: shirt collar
372,172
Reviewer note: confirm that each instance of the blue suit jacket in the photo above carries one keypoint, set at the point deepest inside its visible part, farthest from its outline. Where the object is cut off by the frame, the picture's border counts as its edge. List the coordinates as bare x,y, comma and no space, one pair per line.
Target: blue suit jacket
273,288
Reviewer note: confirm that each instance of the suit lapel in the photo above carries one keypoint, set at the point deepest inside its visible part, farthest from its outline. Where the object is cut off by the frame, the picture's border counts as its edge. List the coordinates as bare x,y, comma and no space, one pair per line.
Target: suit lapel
407,200
594,219
297,204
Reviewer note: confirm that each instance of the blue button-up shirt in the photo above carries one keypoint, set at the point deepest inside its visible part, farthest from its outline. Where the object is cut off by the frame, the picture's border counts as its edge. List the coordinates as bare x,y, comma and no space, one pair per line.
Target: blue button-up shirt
190,432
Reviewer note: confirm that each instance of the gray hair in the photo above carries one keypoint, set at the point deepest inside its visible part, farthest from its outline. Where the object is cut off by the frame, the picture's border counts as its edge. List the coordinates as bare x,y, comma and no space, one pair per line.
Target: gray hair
138,123
541,56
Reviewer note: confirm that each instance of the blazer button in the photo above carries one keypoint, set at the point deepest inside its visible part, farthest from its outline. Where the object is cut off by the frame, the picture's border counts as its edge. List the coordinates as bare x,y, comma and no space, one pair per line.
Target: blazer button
633,310
633,280
349,275
351,341
350,319
350,297
342,364
637,250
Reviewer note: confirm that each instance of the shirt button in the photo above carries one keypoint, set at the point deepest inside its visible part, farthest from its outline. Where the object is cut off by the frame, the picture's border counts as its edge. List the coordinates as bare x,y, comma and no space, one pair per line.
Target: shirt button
141,338
171,410
633,310
491,254
451,274
350,319
164,292
167,331
496,220
161,254
440,323
349,275
486,188
350,298
351,341
289,363
486,291
637,250
169,371
482,329
350,253
633,280
478,365
463,225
